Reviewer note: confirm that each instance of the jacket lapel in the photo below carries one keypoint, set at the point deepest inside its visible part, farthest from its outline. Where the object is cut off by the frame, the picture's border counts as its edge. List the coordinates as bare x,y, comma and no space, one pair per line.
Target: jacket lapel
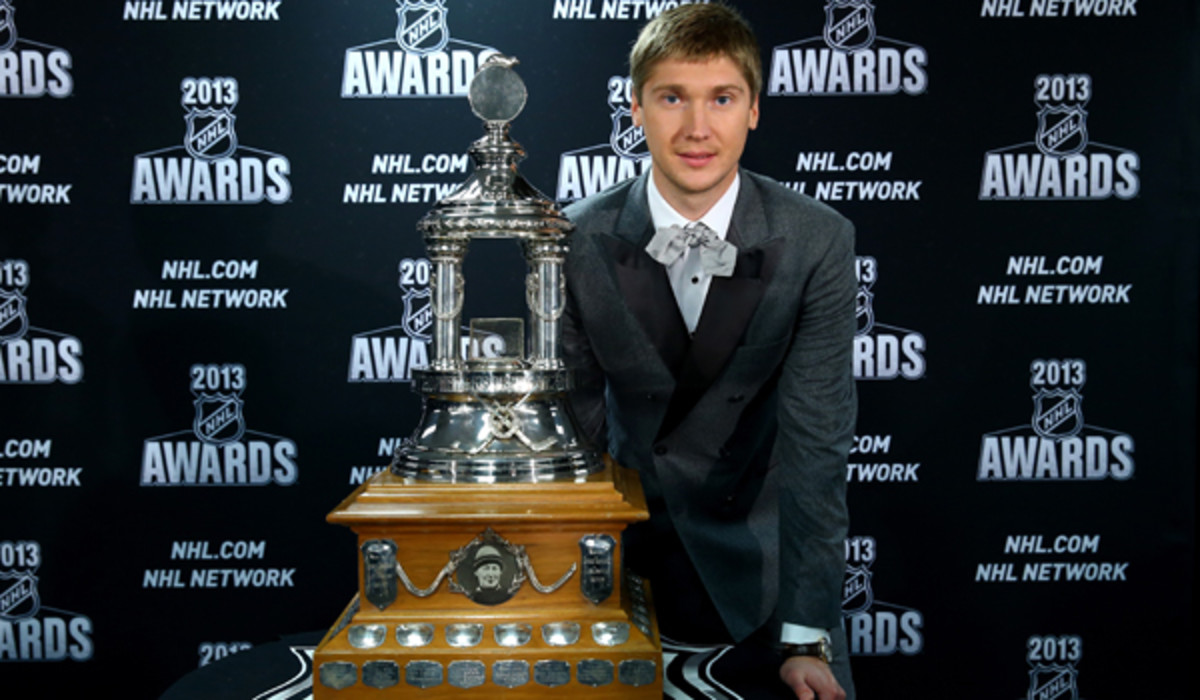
732,301
643,281
729,307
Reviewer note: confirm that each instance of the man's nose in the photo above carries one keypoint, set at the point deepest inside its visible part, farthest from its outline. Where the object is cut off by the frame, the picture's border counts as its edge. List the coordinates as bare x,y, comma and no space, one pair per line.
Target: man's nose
696,125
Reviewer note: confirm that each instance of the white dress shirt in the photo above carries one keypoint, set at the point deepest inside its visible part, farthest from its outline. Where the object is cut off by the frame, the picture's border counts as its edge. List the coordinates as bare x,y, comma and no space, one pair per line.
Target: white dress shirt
689,281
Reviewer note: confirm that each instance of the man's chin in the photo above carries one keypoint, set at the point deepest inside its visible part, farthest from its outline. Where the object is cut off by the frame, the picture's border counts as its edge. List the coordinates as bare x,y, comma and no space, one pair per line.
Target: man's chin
698,186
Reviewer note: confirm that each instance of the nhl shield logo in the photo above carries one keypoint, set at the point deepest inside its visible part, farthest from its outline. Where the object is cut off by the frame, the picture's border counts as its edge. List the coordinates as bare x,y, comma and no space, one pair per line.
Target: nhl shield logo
864,311
857,594
8,29
210,134
18,594
626,139
422,27
13,320
1058,413
418,313
1053,682
849,24
1062,131
219,418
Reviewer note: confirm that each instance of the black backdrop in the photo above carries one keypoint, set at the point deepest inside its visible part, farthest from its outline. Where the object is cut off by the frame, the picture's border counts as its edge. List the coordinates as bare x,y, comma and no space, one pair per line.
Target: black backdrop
212,295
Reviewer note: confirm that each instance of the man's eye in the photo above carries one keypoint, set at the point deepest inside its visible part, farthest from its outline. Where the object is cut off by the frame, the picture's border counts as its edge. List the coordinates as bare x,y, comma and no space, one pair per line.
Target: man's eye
725,100
671,99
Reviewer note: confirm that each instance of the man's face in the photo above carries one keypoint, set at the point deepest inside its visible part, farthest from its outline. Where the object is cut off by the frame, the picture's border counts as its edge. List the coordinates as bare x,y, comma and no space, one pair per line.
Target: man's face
696,116
488,576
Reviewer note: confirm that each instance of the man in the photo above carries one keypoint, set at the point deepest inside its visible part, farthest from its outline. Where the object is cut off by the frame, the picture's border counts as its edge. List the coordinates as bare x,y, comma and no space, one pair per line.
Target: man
722,373
487,568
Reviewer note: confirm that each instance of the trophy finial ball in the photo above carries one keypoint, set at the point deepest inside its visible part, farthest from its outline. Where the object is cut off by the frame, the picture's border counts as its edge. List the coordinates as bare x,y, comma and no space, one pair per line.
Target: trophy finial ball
497,93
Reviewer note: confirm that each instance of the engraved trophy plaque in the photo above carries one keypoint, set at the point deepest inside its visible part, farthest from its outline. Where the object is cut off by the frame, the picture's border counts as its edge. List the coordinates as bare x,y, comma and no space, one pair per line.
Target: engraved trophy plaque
489,557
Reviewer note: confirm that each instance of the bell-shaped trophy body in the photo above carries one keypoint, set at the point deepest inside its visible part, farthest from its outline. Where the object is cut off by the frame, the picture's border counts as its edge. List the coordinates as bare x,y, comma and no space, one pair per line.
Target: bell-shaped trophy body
489,553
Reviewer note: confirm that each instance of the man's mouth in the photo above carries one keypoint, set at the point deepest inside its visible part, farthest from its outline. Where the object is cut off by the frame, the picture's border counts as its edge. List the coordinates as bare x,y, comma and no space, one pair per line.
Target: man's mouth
697,160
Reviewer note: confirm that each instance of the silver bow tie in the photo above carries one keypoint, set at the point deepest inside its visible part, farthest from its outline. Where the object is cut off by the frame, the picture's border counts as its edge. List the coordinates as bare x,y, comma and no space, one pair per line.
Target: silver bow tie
717,256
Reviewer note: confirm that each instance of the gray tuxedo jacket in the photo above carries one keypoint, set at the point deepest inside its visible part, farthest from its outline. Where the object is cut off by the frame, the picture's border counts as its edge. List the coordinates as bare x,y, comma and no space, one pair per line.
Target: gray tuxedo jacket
742,431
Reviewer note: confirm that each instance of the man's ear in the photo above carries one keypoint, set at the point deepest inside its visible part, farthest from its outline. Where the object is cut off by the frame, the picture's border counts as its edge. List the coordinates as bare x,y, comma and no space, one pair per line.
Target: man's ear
635,110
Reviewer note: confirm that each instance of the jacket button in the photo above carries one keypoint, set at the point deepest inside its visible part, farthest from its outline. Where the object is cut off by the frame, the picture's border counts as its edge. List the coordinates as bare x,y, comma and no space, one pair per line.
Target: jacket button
660,450
736,398
723,452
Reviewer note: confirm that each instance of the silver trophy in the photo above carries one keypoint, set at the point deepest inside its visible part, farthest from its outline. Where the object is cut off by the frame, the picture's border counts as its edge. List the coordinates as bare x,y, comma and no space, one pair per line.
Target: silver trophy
506,418
468,587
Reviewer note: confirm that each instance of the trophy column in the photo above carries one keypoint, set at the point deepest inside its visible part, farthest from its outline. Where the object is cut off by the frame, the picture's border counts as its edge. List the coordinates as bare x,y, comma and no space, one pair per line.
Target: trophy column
545,288
489,552
447,300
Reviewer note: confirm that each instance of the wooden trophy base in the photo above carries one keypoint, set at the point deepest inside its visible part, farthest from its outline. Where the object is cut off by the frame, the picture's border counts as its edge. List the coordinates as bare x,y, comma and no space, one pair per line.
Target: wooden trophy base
473,590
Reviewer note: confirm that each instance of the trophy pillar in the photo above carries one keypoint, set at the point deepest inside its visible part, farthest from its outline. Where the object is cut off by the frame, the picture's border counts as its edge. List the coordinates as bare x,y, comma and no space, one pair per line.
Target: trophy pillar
546,297
489,551
447,300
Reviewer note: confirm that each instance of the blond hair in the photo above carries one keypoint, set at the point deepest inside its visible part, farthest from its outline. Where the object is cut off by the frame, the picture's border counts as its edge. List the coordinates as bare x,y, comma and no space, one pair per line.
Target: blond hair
696,32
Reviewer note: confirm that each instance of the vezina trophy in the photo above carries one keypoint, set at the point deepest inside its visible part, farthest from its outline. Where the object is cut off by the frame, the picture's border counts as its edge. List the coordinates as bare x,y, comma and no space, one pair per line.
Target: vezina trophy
489,551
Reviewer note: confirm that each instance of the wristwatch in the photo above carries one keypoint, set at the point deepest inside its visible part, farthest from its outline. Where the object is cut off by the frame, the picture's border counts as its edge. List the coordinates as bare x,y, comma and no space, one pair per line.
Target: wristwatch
821,649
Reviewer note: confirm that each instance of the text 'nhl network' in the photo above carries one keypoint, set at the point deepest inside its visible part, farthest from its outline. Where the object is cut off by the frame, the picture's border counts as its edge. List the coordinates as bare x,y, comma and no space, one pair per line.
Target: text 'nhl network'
613,9
202,10
1058,8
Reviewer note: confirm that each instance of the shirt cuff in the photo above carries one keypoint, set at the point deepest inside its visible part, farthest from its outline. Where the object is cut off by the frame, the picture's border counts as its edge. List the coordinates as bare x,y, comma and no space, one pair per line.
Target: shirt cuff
799,634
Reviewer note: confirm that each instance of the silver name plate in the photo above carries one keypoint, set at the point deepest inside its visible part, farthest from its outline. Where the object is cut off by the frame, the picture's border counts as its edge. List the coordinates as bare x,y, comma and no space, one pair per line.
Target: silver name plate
510,674
380,674
552,673
513,634
338,674
597,551
414,634
560,634
466,674
423,674
464,634
366,636
594,672
641,618
379,572
610,634
636,672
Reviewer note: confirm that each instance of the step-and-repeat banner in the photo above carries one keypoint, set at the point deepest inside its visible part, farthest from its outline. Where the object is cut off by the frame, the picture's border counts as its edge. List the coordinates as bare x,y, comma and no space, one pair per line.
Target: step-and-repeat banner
213,297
